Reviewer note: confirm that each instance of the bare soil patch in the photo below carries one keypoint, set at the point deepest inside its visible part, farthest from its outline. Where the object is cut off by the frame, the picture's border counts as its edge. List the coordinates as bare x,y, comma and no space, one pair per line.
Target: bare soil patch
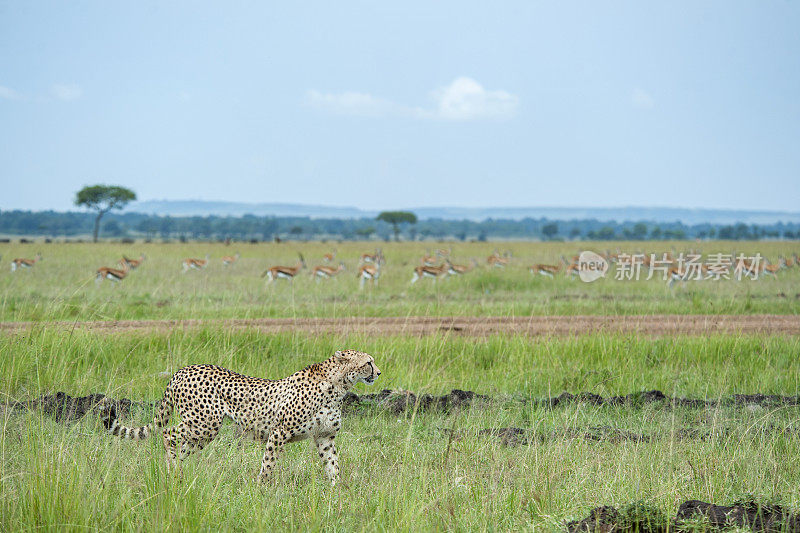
66,409
467,326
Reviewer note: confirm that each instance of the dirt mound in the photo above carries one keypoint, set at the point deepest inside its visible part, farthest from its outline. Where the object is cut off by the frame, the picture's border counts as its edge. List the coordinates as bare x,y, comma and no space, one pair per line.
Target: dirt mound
400,401
765,400
68,409
600,520
658,397
758,517
65,408
469,326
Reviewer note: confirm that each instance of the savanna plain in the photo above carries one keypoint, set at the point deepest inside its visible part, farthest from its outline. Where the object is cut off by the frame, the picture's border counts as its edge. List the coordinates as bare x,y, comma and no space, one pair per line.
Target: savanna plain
519,454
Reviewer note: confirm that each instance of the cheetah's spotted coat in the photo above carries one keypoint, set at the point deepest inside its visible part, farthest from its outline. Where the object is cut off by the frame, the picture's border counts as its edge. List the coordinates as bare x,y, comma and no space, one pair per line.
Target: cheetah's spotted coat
307,404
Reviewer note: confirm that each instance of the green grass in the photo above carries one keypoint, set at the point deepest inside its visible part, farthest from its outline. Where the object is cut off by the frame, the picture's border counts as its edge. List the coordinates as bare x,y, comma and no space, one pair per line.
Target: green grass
402,472
62,287
49,359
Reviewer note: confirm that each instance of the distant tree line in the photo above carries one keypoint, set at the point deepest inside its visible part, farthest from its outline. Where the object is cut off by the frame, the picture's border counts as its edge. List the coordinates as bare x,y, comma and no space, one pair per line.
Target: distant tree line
264,228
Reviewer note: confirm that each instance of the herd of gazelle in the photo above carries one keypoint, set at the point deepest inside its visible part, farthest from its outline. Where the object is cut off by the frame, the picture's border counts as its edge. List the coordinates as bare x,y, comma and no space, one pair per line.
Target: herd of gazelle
429,268
437,265
117,274
675,270
369,269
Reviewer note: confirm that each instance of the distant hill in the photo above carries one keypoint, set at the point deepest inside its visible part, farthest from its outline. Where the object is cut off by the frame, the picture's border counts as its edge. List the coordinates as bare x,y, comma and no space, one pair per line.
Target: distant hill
654,214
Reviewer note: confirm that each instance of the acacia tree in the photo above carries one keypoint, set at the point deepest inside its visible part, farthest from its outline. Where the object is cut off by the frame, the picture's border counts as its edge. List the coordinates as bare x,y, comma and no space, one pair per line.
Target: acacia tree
395,218
103,198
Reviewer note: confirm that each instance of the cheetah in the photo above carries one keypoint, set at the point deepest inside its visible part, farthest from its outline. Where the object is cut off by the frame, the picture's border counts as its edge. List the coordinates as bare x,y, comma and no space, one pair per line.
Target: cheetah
307,404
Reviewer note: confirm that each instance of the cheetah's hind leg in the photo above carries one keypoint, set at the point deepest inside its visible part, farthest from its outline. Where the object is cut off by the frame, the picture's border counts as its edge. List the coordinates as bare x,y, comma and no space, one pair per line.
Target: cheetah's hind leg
273,448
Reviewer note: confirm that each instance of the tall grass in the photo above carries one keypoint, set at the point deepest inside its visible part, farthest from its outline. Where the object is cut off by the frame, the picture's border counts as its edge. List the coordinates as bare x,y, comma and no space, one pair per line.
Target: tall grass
417,470
49,359
402,472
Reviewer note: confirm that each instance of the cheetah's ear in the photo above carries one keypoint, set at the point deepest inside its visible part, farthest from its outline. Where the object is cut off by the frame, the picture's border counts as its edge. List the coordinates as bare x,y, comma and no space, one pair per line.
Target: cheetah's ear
340,357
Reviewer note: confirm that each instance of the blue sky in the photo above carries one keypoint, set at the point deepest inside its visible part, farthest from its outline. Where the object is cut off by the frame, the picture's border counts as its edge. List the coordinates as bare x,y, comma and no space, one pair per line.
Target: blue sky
380,105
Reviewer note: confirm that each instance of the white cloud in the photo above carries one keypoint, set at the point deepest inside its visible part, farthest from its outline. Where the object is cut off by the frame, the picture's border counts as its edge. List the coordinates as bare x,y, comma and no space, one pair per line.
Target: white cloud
466,99
642,99
463,99
66,91
9,94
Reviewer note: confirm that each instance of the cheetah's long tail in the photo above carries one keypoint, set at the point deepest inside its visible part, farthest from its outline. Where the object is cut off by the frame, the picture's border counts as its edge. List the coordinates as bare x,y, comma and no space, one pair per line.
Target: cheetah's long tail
108,415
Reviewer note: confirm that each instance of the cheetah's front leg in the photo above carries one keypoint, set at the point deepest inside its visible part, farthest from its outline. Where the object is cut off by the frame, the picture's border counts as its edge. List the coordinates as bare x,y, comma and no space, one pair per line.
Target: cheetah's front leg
330,460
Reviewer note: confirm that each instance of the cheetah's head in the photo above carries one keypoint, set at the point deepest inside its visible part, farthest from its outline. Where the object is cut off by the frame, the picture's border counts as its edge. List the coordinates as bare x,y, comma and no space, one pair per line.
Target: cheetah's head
357,366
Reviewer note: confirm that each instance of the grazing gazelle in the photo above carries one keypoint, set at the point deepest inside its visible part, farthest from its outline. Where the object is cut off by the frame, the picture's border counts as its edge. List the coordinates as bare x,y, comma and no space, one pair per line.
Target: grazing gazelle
133,264
113,274
375,258
195,264
457,270
228,260
771,268
545,269
677,273
326,272
284,272
428,260
751,269
497,260
328,258
369,273
434,272
573,269
25,263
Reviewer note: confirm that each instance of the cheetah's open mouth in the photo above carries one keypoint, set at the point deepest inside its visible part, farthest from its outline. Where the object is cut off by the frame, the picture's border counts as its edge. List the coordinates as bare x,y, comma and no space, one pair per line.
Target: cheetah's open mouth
370,380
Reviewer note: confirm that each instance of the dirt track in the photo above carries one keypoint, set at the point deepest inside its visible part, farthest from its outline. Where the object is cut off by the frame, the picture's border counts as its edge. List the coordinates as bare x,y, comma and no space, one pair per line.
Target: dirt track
467,326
